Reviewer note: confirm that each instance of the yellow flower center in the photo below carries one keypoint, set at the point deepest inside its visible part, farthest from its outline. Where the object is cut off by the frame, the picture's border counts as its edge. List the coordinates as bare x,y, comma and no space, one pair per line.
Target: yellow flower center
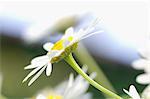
59,45
55,97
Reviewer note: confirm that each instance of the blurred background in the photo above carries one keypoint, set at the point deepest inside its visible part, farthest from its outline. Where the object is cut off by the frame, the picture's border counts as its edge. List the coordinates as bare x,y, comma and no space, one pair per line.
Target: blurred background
26,25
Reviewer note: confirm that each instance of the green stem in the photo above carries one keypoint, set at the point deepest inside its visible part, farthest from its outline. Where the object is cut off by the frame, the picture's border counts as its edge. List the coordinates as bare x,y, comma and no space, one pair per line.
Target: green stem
70,60
101,78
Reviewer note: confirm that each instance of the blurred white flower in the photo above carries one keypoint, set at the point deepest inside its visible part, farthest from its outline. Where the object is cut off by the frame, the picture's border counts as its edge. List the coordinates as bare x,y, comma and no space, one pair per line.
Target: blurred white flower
72,89
146,92
56,52
132,92
135,95
143,64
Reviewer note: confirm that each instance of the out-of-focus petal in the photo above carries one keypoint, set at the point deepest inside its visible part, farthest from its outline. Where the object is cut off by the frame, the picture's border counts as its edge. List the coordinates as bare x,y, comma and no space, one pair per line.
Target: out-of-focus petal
40,96
69,31
85,96
70,84
132,92
146,93
145,53
54,53
47,46
140,64
49,69
143,78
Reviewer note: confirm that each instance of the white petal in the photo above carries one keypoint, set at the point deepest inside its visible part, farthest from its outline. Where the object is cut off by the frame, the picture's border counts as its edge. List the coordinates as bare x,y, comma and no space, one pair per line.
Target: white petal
47,46
36,76
85,96
66,43
145,52
143,78
69,31
71,79
82,34
93,75
90,34
32,73
30,66
59,53
40,96
49,69
80,31
77,36
140,64
54,53
133,92
127,92
79,87
90,28
41,60
69,85
85,68
146,93
147,68
61,87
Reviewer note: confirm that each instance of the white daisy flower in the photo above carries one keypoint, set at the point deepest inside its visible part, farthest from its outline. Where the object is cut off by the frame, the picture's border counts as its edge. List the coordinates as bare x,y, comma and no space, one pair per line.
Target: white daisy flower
143,64
132,92
56,52
72,89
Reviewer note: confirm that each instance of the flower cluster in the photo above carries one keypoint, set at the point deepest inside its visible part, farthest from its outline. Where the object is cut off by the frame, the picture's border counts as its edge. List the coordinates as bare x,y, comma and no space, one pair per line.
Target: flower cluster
71,89
142,64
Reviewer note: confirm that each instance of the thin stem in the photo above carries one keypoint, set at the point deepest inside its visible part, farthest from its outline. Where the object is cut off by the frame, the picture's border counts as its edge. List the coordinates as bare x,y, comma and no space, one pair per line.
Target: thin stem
93,66
70,60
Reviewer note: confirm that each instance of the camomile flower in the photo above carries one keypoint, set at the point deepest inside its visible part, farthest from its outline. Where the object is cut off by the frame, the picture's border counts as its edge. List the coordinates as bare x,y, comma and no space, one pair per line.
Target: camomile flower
143,64
58,51
71,89
135,95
